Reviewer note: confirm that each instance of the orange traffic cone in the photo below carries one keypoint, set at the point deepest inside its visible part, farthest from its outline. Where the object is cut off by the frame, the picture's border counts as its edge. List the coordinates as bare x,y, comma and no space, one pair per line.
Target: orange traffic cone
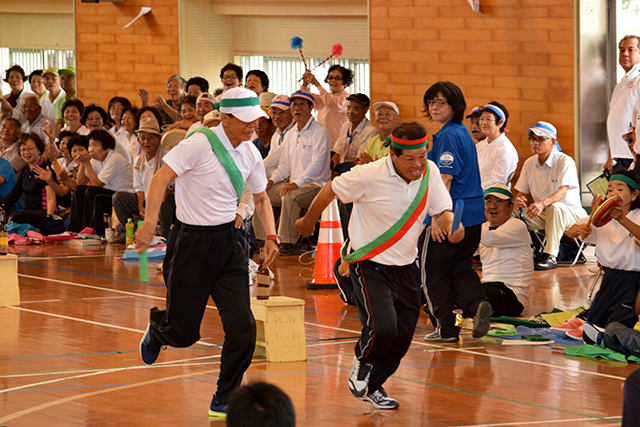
330,240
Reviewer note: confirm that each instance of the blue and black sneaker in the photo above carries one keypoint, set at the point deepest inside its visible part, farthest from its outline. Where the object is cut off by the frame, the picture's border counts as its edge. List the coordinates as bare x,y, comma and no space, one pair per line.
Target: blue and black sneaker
217,410
148,350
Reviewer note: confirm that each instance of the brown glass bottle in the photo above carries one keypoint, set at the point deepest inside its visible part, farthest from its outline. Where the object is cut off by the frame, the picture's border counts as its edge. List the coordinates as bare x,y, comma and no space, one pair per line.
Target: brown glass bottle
4,235
263,279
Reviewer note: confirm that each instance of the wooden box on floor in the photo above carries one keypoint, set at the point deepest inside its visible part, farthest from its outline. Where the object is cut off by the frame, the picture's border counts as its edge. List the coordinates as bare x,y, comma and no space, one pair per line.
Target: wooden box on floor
280,329
9,290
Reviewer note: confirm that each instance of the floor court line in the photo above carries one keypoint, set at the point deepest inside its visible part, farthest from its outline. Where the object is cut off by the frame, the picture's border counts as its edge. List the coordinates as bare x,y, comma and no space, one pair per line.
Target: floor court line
123,328
89,274
47,405
552,422
33,258
320,326
82,285
93,372
44,300
564,368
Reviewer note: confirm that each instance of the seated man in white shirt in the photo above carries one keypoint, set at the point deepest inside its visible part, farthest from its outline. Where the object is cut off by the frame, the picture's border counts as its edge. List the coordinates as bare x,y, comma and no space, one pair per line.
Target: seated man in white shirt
101,173
32,112
305,164
506,254
354,134
204,105
548,191
283,121
130,205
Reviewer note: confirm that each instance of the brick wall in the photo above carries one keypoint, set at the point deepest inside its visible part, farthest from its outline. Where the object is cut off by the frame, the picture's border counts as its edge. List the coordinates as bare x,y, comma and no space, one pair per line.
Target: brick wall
517,52
112,61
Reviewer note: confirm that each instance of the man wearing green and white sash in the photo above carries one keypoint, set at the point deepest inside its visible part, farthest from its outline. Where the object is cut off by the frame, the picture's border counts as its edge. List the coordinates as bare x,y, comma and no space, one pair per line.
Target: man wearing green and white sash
393,194
203,258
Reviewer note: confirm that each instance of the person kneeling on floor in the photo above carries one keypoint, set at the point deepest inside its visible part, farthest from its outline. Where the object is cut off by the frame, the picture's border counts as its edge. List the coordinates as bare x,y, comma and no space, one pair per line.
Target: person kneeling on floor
506,254
618,252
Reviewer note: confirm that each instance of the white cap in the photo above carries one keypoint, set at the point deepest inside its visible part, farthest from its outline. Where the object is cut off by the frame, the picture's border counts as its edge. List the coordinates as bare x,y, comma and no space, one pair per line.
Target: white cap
243,104
389,104
206,97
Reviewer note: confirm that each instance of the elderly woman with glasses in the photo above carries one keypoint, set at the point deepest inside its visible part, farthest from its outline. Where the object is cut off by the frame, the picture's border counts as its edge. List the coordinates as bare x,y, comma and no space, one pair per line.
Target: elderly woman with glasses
450,276
38,197
498,159
331,106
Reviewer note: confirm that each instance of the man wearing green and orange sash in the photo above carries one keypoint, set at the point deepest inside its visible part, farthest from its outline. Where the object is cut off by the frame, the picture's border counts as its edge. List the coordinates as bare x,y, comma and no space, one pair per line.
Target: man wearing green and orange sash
393,194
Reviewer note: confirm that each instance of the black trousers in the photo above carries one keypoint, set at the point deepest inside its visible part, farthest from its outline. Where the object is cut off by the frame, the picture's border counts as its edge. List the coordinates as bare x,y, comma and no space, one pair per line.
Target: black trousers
202,262
388,302
503,300
452,280
88,206
631,402
616,299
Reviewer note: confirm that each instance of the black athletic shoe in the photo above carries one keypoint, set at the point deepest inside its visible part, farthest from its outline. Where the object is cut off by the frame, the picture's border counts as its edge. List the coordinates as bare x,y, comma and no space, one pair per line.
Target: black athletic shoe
148,350
381,400
482,319
217,410
546,262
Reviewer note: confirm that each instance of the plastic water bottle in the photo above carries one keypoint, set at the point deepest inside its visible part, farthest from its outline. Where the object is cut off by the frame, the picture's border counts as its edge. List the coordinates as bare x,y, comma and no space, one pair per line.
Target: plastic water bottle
129,227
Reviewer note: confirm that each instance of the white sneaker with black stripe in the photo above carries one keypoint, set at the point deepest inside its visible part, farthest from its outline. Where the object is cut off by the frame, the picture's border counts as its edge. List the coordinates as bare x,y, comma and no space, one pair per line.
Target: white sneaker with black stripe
381,400
359,378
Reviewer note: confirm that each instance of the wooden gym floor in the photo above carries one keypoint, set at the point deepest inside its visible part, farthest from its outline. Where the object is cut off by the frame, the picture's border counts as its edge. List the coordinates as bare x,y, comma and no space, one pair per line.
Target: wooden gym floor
69,357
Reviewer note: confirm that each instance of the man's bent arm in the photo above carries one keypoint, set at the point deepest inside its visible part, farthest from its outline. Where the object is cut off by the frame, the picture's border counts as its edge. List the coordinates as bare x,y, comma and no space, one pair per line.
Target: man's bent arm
156,193
306,224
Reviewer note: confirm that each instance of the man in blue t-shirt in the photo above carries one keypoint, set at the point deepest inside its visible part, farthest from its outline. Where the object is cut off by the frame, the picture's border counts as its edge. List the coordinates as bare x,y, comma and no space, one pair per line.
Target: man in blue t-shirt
450,278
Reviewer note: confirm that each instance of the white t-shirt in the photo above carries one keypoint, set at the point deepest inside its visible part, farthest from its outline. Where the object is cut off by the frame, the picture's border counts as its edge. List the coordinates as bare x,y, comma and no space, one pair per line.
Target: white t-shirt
543,180
306,156
204,192
623,98
350,145
497,162
130,144
380,197
277,144
115,172
49,107
507,257
142,178
615,246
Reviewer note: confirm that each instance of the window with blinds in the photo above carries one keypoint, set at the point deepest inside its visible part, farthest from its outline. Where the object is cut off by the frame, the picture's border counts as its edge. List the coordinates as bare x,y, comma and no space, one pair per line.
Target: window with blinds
284,72
33,59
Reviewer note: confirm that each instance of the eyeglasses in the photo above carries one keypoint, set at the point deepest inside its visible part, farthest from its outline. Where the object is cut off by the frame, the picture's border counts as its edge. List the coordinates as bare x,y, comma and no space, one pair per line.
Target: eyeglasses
27,149
337,78
537,141
436,102
486,119
229,76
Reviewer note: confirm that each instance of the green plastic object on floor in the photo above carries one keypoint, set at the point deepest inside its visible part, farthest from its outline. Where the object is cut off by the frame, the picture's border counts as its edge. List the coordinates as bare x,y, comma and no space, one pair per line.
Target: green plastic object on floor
144,262
502,330
594,351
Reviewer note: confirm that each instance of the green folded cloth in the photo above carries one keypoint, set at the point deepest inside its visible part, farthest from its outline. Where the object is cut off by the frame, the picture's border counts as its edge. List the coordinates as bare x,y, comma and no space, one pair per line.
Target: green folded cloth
502,330
516,321
593,351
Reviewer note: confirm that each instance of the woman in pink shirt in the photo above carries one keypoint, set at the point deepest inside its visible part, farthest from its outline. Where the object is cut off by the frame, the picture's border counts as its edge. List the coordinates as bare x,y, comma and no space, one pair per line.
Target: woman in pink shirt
331,106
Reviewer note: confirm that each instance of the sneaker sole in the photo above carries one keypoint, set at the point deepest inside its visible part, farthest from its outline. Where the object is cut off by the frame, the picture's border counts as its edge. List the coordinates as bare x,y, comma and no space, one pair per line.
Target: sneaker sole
375,405
482,320
445,340
217,416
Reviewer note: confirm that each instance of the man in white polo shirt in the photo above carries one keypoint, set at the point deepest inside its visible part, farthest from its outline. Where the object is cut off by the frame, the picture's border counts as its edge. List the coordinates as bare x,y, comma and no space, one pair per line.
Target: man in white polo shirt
506,254
52,83
623,98
203,256
548,191
305,164
391,195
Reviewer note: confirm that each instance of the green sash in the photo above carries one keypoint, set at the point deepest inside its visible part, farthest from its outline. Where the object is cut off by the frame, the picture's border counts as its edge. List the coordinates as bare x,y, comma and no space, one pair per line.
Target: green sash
225,158
397,230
